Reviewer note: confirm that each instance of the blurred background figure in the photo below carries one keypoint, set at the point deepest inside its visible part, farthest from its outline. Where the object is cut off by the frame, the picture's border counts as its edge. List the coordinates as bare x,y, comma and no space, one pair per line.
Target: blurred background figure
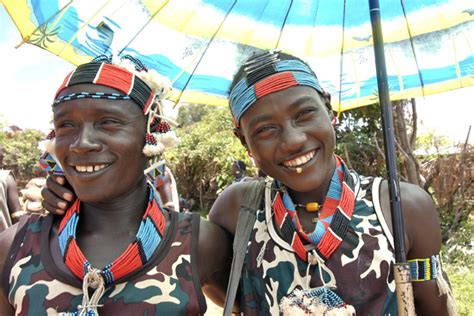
239,169
168,191
31,194
184,205
165,183
10,209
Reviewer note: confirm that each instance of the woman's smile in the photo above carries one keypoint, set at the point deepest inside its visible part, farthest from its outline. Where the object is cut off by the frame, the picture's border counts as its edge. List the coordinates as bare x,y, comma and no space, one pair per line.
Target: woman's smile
89,171
90,168
291,138
301,160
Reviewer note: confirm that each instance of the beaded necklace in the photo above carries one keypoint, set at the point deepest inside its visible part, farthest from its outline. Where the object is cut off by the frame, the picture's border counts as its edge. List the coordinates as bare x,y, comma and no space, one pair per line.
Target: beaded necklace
138,253
334,218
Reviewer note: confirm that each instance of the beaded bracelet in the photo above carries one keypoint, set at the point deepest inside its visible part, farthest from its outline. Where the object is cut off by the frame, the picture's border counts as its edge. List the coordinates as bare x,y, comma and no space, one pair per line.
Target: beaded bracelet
425,269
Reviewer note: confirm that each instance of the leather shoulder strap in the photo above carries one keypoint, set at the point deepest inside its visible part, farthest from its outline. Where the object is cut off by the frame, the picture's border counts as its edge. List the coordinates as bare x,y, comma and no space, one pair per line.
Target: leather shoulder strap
252,197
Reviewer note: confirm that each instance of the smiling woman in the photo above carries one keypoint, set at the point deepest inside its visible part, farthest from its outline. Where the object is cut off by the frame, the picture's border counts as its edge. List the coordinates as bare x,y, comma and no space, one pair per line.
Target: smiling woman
117,250
321,242
96,139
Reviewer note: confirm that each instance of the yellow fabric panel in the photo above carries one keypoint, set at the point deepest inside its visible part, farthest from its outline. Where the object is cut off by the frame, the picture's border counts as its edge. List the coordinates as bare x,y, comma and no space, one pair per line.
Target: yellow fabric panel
19,11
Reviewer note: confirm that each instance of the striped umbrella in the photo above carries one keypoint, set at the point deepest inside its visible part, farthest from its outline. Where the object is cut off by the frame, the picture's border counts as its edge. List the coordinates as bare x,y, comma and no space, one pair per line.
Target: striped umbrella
198,44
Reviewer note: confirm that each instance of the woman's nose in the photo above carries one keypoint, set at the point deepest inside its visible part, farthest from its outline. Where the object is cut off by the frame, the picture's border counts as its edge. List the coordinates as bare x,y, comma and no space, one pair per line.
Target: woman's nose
86,140
293,138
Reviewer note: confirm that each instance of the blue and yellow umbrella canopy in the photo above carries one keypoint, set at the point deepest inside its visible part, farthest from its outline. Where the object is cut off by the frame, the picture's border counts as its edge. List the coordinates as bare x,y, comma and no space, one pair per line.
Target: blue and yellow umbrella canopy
199,44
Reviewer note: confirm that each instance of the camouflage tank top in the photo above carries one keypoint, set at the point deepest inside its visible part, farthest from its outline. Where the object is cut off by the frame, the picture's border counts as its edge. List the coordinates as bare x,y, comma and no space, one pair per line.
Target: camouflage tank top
166,285
361,267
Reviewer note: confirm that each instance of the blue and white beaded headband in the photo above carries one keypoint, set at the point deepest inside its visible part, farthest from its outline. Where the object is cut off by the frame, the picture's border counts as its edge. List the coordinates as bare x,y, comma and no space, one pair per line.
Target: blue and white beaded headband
267,74
91,95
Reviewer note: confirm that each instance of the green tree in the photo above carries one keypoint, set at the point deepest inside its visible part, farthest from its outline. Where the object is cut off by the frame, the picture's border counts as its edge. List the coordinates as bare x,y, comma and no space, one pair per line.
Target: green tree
202,161
191,114
360,140
444,175
21,153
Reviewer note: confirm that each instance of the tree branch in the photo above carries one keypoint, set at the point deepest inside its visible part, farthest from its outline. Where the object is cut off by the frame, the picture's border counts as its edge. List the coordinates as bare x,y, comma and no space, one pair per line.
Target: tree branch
380,151
434,172
414,124
399,146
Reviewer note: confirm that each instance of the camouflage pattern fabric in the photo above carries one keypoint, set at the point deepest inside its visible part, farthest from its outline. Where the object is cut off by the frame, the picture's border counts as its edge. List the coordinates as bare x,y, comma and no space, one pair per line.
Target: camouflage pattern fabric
361,268
169,285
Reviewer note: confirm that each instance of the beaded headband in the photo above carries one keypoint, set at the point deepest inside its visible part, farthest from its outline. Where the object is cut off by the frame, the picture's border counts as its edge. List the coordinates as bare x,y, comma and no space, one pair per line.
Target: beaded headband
135,82
266,74
109,75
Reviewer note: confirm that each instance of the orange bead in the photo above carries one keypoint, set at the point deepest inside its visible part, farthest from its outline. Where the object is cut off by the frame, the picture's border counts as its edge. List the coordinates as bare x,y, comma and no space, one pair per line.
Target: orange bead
312,207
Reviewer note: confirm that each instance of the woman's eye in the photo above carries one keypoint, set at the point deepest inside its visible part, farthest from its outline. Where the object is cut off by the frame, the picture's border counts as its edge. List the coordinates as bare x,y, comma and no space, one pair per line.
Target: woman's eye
109,121
65,125
307,113
264,130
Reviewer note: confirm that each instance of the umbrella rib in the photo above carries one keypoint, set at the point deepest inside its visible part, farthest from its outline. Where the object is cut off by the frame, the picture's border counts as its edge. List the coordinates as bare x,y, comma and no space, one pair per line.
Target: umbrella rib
420,76
310,40
341,61
143,27
72,38
204,52
283,24
27,37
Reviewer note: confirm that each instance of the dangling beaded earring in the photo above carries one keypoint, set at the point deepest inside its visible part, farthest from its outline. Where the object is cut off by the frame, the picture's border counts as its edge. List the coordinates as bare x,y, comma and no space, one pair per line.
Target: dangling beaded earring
152,146
150,140
47,160
158,133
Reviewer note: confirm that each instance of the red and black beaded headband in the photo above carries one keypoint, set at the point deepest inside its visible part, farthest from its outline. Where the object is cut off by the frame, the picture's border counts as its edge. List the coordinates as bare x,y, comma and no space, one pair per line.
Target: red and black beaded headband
265,74
108,75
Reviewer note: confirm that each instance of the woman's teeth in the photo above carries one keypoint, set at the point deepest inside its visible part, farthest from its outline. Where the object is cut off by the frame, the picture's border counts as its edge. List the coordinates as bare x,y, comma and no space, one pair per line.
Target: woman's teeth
299,161
92,168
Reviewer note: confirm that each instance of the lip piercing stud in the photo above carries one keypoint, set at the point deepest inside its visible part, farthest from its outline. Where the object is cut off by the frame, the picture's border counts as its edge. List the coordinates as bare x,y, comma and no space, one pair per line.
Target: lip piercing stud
299,170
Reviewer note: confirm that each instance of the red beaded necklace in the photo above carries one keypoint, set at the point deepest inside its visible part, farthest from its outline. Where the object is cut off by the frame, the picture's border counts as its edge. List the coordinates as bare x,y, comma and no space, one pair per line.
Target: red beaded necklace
335,216
139,251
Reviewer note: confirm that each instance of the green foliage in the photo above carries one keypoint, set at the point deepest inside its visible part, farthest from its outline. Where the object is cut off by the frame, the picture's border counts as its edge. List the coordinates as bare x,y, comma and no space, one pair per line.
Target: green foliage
360,143
458,258
462,284
428,141
202,161
459,249
359,139
21,152
191,114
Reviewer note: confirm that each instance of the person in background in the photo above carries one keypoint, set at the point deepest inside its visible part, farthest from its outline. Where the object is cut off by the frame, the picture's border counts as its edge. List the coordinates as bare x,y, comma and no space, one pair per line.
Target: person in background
31,193
239,169
165,184
10,208
184,205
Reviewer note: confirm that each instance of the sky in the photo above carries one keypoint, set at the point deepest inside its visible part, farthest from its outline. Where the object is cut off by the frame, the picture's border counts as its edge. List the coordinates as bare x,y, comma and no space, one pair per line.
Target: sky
30,76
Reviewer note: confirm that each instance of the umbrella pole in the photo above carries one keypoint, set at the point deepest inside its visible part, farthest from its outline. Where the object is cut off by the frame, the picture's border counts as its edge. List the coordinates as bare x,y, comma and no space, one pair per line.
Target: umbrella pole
402,275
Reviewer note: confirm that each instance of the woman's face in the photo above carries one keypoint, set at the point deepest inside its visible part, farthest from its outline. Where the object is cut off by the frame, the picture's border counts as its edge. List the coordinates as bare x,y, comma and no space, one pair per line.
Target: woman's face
99,144
291,129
